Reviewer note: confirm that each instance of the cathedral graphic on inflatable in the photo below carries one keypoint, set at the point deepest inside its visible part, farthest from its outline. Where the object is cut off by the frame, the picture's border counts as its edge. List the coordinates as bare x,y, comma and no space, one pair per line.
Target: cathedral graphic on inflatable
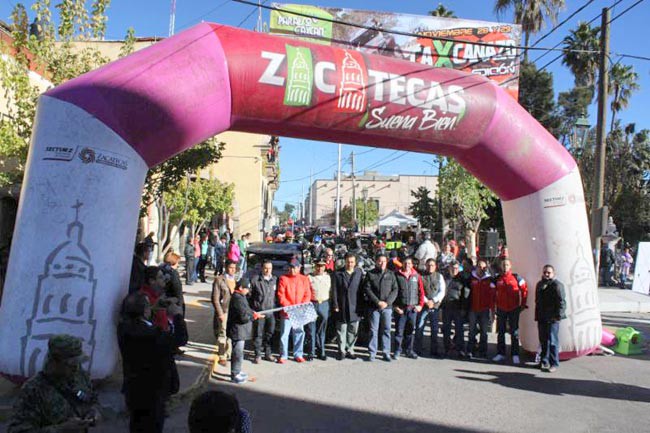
65,300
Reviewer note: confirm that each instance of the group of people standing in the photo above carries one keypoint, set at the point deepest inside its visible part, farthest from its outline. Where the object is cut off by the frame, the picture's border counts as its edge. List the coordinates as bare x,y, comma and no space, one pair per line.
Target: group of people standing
410,297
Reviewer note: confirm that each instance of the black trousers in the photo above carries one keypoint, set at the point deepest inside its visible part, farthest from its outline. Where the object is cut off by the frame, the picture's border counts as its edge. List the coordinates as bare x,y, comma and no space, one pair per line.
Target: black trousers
189,269
147,418
264,329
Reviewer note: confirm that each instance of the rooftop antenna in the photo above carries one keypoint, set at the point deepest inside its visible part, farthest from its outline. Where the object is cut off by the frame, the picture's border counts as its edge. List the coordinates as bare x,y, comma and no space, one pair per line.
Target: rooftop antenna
172,18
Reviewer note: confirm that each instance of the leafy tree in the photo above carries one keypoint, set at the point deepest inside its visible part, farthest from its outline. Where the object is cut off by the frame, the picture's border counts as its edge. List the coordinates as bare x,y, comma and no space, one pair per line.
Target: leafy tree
286,213
194,203
531,14
572,105
537,97
442,11
582,64
371,214
622,82
424,208
465,199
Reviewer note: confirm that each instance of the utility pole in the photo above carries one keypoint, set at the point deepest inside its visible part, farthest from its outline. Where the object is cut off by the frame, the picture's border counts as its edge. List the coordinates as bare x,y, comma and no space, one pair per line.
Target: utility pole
302,204
311,198
338,196
354,191
172,18
597,208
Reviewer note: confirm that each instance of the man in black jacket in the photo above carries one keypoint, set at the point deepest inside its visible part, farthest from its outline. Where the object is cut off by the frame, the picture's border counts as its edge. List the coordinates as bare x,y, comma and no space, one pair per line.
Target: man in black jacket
263,288
346,300
239,328
380,287
141,256
455,306
550,305
148,363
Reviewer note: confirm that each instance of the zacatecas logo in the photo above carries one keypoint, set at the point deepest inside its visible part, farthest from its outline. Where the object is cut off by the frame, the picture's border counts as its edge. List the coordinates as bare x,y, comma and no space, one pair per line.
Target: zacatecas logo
87,155
90,155
355,87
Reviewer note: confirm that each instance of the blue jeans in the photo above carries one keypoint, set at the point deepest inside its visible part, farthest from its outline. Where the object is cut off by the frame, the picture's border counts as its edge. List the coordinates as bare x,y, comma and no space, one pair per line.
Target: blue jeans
405,325
548,338
511,320
480,319
453,314
236,357
242,264
317,328
380,323
298,339
432,316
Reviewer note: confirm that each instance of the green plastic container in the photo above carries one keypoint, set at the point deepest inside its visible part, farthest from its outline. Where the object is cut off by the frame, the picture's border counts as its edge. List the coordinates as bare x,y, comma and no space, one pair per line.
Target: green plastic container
628,342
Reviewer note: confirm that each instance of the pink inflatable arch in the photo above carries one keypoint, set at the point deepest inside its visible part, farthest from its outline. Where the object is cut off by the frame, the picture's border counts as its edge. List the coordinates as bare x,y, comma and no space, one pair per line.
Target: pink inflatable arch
97,135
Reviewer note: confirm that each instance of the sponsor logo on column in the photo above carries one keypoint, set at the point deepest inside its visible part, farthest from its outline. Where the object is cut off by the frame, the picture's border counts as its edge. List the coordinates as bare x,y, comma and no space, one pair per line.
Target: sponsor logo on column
87,155
59,153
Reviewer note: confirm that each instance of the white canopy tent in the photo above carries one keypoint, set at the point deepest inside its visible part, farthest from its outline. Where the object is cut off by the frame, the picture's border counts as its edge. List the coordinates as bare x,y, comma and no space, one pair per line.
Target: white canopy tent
395,219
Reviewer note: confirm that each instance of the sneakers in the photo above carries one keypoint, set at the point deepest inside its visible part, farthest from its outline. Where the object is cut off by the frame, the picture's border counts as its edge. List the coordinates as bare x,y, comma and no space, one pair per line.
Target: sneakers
552,369
239,379
387,358
282,361
545,367
412,355
515,359
498,358
223,362
299,359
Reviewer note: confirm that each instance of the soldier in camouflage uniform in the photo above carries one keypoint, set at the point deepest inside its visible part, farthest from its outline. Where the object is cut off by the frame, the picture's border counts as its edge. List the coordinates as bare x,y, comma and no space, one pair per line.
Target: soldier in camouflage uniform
60,398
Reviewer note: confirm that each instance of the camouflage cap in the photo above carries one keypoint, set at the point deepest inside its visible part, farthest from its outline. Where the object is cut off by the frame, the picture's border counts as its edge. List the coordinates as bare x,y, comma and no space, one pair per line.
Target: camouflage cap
66,347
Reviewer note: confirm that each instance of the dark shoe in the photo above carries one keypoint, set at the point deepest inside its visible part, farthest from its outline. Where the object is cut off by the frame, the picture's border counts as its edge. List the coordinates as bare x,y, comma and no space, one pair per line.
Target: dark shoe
370,359
396,356
387,358
269,358
257,360
309,357
412,355
351,356
545,367
323,357
339,357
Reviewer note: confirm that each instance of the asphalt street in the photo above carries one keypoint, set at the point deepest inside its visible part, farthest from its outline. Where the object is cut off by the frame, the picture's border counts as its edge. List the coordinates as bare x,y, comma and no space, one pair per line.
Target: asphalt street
589,394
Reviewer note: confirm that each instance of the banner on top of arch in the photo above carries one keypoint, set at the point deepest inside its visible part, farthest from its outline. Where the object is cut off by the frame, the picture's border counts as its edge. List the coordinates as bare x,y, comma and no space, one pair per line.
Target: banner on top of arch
477,47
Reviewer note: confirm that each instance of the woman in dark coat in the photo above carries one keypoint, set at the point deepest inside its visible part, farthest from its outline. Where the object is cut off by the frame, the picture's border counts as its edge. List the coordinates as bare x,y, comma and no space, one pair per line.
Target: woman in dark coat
239,328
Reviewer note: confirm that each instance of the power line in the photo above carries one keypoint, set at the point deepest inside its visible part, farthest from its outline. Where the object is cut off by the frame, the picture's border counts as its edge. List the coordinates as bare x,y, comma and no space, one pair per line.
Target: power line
219,6
564,21
625,11
252,12
313,174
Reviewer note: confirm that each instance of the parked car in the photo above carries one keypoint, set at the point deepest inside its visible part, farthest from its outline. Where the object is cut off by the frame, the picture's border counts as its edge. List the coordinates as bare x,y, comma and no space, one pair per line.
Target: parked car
279,254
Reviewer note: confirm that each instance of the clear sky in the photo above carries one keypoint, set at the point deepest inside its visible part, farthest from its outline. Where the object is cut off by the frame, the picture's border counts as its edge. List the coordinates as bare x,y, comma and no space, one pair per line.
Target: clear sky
298,157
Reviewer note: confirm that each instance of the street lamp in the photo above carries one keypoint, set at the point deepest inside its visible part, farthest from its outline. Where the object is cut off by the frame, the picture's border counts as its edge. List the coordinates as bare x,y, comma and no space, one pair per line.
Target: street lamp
581,131
364,195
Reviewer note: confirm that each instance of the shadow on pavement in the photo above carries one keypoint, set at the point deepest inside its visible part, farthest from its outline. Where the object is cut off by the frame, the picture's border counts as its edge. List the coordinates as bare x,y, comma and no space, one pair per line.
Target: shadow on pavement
282,414
560,386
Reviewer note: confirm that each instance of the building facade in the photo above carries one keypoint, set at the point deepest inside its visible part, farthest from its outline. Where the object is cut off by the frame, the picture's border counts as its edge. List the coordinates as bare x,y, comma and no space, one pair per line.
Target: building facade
390,192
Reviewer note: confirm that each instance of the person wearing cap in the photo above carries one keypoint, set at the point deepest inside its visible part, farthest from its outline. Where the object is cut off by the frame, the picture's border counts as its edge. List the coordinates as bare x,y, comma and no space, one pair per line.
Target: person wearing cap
61,396
148,365
347,303
240,328
293,289
380,288
321,287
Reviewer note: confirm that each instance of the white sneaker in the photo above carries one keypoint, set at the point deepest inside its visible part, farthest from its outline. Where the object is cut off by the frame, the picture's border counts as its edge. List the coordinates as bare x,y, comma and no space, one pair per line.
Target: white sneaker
515,359
498,358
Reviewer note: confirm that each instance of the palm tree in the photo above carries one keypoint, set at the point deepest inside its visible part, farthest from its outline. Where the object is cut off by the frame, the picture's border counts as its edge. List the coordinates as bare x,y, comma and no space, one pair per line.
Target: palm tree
622,82
442,11
582,64
531,15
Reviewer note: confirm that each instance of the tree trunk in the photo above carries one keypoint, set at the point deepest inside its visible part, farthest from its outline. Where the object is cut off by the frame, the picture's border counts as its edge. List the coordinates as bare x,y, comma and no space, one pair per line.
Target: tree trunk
472,231
526,40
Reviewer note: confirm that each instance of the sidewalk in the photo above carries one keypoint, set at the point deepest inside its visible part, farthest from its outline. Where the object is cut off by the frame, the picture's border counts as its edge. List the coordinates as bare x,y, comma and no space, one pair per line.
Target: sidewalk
616,300
194,366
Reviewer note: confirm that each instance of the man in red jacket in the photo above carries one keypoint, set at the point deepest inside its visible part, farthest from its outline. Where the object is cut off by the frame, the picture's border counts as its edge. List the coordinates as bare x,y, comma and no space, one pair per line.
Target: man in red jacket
293,289
511,293
482,301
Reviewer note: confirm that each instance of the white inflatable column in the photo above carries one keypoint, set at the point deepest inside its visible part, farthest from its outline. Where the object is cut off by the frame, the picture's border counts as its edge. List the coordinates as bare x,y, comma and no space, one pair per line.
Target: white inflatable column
549,226
72,250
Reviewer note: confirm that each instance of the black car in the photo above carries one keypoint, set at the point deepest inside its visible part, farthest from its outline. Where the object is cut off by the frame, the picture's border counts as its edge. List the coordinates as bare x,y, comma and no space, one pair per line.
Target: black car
279,254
